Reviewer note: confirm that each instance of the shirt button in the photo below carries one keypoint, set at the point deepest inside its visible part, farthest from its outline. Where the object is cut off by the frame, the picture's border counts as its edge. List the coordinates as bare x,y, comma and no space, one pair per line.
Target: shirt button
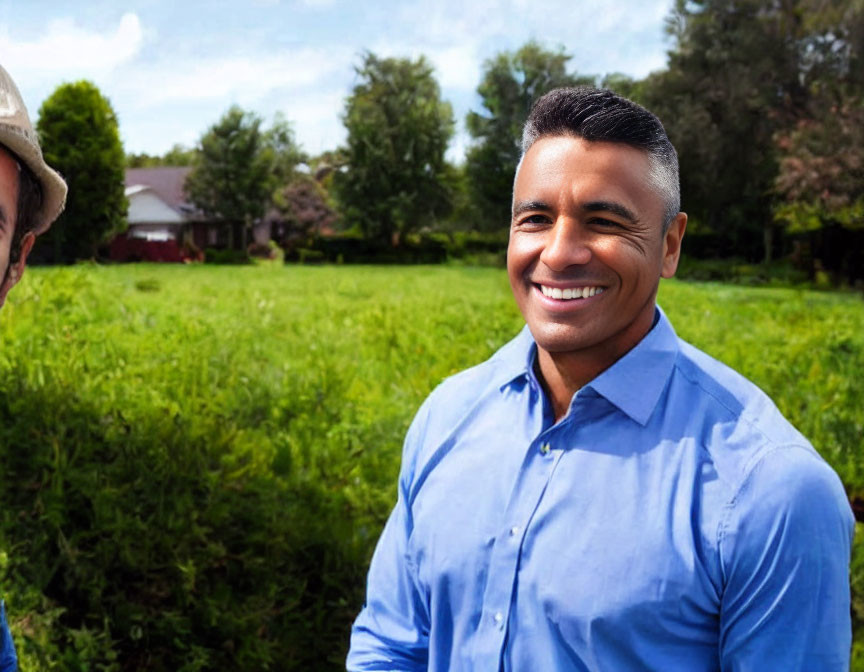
514,531
499,618
545,448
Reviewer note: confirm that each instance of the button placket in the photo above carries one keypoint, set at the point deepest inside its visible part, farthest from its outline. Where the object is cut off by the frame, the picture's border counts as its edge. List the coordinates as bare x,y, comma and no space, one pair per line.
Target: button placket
503,564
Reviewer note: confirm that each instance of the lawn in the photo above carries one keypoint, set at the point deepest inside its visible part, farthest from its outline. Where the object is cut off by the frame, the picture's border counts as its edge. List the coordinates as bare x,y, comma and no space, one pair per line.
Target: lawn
198,459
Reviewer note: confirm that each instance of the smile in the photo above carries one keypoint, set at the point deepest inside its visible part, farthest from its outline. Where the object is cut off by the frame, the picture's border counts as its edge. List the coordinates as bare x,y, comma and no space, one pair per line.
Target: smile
570,293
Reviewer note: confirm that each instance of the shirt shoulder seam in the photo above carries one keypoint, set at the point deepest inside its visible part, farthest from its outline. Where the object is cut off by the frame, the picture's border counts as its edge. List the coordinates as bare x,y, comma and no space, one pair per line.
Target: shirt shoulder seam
740,417
752,465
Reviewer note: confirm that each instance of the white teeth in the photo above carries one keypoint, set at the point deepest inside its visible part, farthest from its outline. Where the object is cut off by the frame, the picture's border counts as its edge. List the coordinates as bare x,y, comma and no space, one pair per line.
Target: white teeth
570,293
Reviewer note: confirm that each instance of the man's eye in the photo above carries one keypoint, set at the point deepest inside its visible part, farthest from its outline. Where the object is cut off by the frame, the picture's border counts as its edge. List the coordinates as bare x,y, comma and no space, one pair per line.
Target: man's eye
534,220
602,221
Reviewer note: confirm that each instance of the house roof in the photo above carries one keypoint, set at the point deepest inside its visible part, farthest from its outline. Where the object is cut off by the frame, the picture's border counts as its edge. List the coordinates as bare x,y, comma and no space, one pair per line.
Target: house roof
146,208
166,182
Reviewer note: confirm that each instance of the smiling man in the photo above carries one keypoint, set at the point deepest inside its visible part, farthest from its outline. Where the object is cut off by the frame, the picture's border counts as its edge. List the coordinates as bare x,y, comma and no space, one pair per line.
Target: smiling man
31,197
600,495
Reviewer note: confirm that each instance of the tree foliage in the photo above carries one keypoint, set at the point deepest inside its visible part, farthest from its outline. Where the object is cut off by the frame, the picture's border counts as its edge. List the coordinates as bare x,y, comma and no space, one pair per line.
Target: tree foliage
305,207
742,71
511,82
237,167
282,152
79,137
178,155
394,178
821,173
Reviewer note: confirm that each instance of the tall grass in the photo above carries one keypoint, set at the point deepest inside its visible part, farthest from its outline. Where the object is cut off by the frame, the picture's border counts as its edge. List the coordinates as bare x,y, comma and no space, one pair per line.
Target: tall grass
198,460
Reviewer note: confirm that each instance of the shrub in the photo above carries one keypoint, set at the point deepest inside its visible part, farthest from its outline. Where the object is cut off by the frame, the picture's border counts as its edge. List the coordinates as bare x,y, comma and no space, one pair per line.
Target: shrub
226,256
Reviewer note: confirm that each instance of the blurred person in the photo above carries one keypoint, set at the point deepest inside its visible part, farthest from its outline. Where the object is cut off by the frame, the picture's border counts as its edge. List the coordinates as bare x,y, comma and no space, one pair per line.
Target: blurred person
32,195
599,494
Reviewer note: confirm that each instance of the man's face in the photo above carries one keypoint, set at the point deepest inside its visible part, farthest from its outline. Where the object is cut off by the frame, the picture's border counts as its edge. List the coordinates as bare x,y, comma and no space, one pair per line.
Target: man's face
587,221
8,216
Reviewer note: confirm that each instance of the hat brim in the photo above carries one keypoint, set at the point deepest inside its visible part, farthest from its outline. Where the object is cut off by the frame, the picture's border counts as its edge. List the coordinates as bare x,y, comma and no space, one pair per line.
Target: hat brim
53,186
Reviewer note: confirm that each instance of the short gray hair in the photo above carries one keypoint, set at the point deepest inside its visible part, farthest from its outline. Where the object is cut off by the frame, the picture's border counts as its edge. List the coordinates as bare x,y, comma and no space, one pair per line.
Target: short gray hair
599,115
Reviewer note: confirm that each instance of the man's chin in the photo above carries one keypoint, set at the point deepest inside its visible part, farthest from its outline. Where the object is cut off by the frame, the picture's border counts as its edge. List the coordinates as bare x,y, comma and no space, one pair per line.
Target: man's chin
559,338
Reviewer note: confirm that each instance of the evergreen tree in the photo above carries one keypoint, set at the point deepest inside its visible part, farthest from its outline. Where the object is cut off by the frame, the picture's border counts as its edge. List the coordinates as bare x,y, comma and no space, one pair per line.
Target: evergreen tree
79,137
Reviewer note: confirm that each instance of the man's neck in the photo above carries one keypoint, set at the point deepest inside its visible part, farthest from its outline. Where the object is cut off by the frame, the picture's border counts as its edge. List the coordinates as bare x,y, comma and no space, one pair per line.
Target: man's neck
562,374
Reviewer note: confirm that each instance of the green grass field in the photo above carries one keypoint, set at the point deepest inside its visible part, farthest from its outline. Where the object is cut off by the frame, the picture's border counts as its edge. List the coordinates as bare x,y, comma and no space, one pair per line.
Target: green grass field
198,459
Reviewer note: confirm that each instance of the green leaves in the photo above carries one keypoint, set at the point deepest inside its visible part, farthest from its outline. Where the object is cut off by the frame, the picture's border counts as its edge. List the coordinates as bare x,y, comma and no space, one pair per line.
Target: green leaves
78,132
395,177
239,166
510,85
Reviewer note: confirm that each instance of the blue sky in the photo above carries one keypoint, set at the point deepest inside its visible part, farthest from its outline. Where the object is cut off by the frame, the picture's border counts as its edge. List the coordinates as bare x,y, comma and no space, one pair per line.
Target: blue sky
172,67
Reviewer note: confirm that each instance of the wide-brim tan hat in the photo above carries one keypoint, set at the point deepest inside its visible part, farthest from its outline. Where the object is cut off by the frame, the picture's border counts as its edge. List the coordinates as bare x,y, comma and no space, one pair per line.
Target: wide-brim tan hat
17,134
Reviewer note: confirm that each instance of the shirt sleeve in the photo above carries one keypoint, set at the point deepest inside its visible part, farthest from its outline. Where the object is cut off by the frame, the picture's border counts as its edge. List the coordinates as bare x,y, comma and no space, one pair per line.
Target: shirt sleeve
8,656
785,549
392,630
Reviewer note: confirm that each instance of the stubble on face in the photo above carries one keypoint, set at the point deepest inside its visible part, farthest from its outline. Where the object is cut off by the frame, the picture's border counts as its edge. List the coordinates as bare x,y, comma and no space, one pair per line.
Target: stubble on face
587,220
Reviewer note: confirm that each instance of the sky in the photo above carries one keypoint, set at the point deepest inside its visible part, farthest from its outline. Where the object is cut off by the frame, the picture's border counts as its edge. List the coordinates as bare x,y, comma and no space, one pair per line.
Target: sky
171,68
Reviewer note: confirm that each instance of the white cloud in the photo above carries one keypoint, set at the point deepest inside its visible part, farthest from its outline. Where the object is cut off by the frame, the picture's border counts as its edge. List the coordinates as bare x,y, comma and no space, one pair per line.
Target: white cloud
244,79
68,51
168,80
457,67
316,119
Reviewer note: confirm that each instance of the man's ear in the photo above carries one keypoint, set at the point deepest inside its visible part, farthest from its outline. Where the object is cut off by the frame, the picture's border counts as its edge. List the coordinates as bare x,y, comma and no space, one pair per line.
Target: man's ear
16,270
672,245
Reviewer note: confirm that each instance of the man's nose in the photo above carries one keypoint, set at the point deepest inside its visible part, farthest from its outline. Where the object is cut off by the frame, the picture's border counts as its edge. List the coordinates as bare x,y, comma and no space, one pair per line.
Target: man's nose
567,244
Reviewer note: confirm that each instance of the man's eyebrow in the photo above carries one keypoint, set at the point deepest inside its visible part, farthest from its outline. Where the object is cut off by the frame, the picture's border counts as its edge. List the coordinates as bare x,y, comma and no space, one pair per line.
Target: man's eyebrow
611,206
4,218
524,206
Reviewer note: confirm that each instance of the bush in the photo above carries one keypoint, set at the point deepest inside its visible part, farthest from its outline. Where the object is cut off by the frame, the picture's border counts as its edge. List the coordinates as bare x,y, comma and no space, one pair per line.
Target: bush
197,463
226,256
354,250
466,248
735,270
262,250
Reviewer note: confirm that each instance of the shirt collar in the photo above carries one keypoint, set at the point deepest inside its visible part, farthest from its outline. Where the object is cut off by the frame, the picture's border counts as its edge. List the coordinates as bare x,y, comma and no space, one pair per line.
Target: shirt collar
633,384
516,359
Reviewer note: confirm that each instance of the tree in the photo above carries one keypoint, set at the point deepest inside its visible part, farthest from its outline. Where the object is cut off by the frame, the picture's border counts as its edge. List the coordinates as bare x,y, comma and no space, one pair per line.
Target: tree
282,151
623,85
79,136
236,169
394,178
178,155
511,83
821,188
740,72
305,208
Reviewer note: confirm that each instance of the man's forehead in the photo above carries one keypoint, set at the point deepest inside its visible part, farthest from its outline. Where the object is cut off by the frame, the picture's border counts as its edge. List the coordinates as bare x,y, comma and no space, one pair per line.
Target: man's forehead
556,157
557,168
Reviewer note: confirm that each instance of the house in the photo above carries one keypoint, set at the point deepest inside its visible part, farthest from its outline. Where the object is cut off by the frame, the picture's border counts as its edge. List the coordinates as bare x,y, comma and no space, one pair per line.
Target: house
165,226
159,217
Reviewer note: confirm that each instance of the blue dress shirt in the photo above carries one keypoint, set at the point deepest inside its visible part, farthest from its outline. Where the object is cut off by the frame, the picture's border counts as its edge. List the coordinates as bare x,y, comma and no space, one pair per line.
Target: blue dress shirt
672,520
